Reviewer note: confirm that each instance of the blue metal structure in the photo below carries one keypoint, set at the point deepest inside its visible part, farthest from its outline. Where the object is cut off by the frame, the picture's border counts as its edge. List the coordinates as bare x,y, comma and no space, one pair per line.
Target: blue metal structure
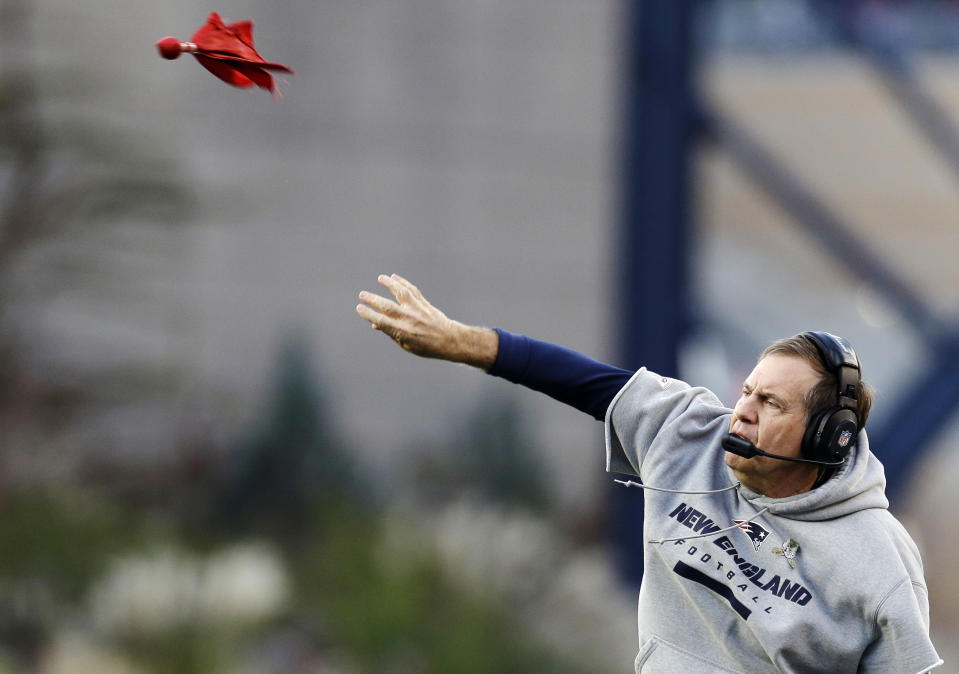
657,139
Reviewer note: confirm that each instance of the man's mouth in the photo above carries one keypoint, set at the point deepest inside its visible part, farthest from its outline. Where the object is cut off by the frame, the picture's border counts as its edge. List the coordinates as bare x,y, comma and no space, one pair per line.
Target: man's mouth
747,439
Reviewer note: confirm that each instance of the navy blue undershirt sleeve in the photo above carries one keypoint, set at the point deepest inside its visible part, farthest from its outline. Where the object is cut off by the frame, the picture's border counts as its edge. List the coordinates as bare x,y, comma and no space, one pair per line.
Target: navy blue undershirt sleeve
561,373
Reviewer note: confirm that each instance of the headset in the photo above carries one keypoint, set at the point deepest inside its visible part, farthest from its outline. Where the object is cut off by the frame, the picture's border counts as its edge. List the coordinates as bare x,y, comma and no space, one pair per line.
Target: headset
831,433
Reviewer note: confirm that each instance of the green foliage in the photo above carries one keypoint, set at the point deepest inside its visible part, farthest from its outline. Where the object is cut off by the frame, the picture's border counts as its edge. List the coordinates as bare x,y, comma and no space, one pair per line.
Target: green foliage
185,649
493,456
54,545
372,605
386,610
380,608
397,612
500,454
293,459
62,541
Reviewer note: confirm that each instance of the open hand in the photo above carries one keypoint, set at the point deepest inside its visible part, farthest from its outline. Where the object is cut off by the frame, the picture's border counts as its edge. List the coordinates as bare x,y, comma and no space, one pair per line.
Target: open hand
422,329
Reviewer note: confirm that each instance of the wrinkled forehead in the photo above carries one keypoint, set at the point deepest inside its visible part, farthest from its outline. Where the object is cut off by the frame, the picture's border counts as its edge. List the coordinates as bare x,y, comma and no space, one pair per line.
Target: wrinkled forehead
784,375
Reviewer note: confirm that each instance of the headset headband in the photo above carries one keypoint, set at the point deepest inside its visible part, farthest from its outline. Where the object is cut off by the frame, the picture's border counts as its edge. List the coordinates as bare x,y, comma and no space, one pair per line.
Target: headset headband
840,358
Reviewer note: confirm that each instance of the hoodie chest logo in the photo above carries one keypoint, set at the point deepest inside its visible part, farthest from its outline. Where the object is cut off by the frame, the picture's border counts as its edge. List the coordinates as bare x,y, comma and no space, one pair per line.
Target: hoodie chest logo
756,532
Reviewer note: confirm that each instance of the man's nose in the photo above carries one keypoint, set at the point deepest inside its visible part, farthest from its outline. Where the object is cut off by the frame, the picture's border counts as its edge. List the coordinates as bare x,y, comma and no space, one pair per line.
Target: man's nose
745,410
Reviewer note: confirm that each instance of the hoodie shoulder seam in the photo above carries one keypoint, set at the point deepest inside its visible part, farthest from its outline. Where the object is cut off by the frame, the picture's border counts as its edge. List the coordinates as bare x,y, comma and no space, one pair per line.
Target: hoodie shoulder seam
892,590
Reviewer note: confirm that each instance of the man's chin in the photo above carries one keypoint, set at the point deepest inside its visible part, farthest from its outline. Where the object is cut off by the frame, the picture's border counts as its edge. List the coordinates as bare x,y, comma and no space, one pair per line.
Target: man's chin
733,460
740,465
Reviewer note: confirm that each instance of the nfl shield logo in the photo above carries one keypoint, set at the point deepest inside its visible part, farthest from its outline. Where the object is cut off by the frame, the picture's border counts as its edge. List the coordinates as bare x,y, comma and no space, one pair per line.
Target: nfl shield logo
844,438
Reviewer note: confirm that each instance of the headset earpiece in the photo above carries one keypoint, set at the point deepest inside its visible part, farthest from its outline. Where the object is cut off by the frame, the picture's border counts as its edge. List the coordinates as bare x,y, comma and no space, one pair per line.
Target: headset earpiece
831,433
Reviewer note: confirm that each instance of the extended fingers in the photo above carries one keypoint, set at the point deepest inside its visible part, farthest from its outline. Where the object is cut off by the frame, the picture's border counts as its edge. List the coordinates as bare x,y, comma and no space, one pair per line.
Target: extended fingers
381,304
402,289
388,315
406,284
390,284
378,320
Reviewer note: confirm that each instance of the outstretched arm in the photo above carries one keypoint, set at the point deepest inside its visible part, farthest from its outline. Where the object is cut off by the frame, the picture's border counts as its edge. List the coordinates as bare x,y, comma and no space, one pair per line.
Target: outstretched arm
561,373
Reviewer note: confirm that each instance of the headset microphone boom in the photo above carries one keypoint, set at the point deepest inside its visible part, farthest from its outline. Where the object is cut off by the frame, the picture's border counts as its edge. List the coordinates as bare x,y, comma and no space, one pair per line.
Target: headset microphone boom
734,444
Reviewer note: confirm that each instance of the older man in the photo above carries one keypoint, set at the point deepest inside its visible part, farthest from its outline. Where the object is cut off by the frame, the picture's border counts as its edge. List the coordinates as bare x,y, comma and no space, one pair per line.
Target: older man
769,544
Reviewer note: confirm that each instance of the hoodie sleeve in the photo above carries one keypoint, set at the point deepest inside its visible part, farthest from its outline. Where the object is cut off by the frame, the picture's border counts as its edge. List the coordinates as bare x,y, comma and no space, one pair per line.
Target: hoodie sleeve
563,374
902,641
644,411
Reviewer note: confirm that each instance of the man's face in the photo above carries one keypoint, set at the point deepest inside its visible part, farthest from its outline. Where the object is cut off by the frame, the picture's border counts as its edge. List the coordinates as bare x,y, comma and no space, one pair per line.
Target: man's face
771,413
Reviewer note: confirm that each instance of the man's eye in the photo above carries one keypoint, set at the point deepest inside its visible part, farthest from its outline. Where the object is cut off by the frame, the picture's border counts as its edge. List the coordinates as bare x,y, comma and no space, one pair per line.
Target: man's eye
772,403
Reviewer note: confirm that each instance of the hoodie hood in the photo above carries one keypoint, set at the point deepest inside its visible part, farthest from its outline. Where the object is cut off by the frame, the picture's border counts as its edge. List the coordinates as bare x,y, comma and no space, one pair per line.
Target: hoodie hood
859,484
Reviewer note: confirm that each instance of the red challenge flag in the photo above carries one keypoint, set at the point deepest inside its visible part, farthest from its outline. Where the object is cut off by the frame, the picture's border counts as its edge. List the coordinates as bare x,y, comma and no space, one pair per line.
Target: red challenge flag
227,52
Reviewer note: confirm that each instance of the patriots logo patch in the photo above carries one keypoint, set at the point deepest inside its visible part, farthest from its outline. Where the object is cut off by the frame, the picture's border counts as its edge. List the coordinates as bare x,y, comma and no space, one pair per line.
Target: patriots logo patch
757,534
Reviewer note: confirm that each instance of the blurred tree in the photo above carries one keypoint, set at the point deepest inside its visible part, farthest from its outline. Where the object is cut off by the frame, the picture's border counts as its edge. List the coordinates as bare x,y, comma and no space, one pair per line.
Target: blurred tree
294,459
499,456
106,177
62,177
399,610
494,457
53,546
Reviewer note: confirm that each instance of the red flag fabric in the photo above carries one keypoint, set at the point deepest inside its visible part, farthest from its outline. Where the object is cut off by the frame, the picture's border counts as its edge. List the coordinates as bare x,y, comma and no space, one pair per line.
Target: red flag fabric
226,51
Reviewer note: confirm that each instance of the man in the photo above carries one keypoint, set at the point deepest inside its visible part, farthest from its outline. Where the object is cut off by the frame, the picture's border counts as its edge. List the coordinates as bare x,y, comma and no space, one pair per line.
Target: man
777,554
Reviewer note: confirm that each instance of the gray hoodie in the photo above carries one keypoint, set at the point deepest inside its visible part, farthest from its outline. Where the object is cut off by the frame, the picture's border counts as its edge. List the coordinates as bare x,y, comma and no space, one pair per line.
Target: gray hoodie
734,581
